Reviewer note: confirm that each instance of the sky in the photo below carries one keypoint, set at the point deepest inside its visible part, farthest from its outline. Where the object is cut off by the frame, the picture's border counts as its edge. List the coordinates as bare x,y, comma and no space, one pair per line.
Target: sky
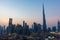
30,11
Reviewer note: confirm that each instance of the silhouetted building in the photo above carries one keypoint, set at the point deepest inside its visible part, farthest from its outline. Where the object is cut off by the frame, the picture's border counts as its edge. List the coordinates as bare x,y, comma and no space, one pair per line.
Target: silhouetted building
24,24
25,28
49,29
44,21
31,30
39,27
1,30
4,29
19,29
59,26
10,21
10,26
54,28
35,27
13,28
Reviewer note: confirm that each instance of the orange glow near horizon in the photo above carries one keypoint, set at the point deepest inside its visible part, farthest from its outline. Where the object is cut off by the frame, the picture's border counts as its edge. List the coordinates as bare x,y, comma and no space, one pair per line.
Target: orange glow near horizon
50,21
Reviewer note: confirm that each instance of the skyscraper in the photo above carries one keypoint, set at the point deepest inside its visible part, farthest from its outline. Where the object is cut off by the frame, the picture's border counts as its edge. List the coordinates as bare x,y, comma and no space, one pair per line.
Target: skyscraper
24,24
9,28
10,21
44,20
54,28
25,28
59,26
35,27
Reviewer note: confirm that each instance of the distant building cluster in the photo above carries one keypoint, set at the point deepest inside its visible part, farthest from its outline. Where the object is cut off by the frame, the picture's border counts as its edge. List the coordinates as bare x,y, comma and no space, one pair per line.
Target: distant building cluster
23,32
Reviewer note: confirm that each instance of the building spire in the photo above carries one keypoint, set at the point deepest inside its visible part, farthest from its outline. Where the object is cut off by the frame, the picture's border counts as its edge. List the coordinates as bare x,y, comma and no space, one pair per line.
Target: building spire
44,20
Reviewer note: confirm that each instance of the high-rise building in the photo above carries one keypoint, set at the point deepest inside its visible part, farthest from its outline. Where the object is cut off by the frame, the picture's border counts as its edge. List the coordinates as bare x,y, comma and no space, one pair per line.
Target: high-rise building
25,28
44,20
49,29
24,24
9,28
39,27
54,28
58,25
35,27
1,30
10,21
18,29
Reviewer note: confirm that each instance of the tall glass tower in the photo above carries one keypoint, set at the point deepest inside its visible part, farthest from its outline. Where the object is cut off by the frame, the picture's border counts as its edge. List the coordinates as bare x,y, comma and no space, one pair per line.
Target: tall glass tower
10,21
44,20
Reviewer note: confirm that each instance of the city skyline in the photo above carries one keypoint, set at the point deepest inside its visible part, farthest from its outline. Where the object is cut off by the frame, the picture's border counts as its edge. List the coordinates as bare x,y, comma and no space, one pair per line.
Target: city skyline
30,11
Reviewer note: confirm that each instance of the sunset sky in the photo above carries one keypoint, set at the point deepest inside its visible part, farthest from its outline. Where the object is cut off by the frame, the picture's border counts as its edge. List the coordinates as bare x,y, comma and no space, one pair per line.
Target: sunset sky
30,11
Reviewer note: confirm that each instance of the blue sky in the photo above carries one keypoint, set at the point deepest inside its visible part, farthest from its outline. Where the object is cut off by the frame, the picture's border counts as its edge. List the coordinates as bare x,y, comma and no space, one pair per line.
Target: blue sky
30,11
